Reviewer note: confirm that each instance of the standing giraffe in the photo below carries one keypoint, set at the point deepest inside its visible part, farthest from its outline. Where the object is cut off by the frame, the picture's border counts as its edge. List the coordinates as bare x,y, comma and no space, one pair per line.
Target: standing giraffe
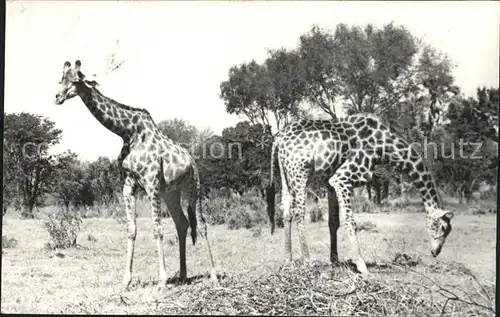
343,154
148,160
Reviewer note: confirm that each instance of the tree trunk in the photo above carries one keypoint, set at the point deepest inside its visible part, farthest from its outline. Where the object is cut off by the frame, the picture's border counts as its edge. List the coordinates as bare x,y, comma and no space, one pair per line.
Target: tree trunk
27,210
386,189
378,195
402,187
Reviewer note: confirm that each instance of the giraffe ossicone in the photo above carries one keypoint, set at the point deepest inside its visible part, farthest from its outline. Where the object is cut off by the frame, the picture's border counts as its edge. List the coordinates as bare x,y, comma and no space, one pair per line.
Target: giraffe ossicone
343,153
148,160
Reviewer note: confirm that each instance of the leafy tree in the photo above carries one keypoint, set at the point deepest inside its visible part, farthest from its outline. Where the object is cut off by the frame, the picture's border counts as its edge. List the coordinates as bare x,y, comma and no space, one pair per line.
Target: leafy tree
373,69
30,171
215,172
179,130
386,71
321,80
72,185
272,90
472,128
261,92
252,145
105,180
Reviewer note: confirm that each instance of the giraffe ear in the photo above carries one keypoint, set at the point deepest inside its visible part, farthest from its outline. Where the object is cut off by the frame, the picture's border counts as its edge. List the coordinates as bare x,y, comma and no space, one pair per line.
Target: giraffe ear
446,215
66,66
449,215
80,76
91,83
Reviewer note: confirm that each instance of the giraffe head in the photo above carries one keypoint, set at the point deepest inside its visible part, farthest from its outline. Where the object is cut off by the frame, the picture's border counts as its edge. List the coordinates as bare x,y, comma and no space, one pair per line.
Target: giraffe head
72,83
439,227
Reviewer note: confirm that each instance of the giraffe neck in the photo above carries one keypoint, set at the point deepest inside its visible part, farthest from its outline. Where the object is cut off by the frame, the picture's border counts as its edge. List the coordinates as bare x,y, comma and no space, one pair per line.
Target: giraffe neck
406,159
117,118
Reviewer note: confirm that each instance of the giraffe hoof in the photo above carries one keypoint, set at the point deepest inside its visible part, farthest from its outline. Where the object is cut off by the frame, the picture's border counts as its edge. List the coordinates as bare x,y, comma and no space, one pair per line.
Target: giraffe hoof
161,286
361,266
181,280
124,287
213,276
335,261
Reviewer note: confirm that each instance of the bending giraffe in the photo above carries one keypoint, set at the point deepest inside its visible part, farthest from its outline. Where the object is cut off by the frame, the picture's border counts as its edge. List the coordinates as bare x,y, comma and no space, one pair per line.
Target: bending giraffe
148,160
343,154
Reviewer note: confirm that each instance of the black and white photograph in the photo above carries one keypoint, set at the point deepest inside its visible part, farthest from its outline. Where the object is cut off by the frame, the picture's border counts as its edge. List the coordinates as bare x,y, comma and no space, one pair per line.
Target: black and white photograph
329,158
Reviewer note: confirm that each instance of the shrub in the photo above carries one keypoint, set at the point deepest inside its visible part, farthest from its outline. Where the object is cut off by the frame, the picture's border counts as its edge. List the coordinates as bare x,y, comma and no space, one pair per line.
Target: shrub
404,259
362,204
365,225
483,207
278,217
8,243
316,213
236,211
63,227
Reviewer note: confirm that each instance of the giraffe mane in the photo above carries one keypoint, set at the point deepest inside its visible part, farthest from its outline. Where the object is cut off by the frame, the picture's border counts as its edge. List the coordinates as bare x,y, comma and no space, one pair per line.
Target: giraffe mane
124,106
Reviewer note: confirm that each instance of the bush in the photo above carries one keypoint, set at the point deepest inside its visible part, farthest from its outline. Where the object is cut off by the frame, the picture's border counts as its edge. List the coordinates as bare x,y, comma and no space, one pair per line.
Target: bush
245,211
316,213
365,225
362,204
483,207
8,243
63,227
278,217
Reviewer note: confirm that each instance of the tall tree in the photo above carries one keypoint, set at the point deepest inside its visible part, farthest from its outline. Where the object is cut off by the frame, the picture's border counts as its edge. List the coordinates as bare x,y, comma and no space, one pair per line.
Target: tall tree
179,130
372,69
385,71
30,169
321,86
267,92
72,186
260,92
472,131
104,179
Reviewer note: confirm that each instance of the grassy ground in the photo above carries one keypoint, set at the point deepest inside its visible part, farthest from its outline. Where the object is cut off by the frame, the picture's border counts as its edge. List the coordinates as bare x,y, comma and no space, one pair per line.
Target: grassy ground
86,280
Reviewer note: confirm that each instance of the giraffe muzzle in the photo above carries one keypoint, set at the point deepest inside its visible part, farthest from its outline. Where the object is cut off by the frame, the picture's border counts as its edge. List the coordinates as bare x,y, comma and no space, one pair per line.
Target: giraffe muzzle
59,99
435,252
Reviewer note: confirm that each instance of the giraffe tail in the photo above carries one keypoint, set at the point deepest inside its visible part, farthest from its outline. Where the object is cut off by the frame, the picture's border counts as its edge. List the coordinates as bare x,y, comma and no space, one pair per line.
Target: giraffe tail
195,210
273,152
270,189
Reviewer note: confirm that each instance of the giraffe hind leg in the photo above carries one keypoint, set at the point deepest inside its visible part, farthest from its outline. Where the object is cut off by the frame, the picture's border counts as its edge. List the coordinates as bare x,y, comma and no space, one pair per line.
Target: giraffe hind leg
173,201
333,223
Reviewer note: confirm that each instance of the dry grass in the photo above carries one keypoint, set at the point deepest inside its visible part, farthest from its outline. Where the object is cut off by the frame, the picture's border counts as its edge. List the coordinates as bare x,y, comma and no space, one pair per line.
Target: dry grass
254,278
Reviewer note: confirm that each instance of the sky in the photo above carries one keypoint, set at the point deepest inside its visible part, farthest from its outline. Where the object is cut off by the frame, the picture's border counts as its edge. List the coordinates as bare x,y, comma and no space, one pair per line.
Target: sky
176,54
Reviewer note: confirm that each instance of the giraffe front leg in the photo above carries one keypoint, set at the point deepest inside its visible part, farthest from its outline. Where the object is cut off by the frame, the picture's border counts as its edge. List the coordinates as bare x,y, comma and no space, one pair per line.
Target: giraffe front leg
343,189
154,197
333,223
129,189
